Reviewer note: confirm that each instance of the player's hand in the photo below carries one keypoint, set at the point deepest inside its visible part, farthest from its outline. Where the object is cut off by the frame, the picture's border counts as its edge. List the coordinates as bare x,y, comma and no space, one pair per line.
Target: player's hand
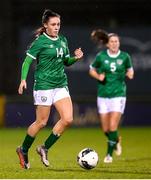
130,74
101,77
78,53
22,86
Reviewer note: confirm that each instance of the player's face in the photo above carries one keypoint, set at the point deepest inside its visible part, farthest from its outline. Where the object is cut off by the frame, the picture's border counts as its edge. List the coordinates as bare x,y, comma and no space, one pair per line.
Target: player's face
113,44
53,26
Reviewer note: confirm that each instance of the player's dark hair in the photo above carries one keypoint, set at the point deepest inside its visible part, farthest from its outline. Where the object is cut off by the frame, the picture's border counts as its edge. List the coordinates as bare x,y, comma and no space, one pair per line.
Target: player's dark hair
47,14
100,36
45,18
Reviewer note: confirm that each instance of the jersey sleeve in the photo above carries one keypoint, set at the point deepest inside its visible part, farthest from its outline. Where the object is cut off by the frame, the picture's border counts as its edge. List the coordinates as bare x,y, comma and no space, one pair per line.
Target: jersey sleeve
34,49
67,52
129,62
25,67
96,63
67,59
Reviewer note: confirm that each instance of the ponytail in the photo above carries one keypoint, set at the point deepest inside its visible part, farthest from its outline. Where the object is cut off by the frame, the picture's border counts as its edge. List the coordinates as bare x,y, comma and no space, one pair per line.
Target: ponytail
100,36
40,31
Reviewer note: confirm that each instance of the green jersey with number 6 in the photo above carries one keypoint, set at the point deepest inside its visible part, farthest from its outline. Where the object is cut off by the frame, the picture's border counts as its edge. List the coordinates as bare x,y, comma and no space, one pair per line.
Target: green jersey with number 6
51,55
115,69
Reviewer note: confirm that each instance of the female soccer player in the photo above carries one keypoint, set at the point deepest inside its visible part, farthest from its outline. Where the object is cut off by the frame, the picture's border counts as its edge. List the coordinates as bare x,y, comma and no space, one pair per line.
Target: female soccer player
50,50
110,68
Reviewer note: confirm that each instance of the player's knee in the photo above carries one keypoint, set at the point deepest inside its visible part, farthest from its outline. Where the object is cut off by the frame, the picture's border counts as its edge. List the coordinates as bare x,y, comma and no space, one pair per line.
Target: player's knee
67,121
41,123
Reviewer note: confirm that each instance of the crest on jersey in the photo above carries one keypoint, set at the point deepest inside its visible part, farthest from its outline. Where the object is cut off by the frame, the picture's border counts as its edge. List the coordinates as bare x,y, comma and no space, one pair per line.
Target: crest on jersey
43,98
119,61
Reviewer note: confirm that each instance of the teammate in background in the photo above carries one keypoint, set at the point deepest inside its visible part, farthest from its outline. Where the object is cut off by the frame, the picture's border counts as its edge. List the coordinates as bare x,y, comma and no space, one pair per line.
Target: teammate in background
110,68
50,50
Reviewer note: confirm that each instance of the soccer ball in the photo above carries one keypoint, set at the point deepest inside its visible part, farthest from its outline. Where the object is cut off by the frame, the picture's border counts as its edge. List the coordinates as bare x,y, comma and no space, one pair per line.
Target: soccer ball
87,158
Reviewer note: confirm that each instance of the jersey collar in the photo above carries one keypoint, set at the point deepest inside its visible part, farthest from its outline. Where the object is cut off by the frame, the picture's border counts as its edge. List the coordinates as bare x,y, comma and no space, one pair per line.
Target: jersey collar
113,55
53,39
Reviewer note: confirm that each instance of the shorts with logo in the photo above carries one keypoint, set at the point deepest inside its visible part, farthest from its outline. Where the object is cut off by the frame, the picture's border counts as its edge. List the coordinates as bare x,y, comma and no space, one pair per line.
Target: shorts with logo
49,97
106,105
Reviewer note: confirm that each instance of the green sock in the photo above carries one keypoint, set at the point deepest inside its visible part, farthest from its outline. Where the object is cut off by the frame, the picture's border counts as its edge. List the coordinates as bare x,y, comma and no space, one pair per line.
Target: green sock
51,140
113,136
27,143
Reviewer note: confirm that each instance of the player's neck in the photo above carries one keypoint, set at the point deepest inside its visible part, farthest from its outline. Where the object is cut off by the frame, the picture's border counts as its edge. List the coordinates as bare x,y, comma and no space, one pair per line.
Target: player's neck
50,37
113,53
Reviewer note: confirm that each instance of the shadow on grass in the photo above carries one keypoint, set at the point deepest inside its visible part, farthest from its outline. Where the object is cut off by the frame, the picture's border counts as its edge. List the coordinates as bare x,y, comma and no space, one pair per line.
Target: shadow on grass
138,159
101,170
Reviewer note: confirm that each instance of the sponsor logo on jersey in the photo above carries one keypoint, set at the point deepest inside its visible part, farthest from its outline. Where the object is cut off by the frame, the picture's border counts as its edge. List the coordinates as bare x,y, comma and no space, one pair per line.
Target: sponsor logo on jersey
51,46
43,98
63,44
106,61
119,61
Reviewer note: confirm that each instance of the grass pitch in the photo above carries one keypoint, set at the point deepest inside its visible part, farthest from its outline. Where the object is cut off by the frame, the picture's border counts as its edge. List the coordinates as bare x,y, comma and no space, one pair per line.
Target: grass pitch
135,162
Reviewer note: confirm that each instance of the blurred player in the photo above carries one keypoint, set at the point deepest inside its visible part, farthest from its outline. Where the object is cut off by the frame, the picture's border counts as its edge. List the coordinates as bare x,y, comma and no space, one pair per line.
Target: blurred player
110,68
50,50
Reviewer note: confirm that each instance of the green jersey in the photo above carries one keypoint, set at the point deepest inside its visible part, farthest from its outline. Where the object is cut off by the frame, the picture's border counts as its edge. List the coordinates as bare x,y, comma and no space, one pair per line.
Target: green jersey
115,69
51,55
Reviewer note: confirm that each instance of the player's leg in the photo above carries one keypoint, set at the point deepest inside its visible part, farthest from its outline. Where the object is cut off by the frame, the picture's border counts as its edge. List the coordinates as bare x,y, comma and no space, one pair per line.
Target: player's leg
118,105
42,115
113,134
118,148
104,121
103,114
63,105
65,109
104,118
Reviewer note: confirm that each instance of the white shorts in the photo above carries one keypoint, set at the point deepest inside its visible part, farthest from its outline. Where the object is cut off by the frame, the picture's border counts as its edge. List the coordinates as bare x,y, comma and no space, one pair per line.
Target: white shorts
49,97
106,105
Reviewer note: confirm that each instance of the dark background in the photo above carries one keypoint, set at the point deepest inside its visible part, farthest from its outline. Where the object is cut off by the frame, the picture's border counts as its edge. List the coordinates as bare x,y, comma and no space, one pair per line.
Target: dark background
19,18
129,18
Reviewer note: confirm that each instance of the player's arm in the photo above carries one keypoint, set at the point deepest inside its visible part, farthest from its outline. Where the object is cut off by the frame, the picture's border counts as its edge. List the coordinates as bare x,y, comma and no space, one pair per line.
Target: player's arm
71,60
130,70
93,73
93,69
68,60
130,73
24,72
